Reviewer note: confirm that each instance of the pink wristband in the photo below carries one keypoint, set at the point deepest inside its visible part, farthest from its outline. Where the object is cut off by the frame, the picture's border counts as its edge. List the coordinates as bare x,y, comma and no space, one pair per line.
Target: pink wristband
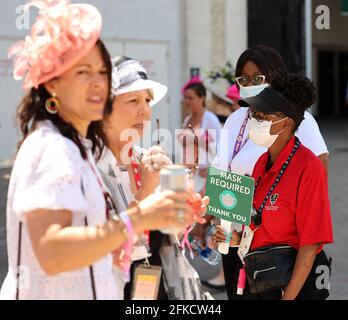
241,281
185,241
128,246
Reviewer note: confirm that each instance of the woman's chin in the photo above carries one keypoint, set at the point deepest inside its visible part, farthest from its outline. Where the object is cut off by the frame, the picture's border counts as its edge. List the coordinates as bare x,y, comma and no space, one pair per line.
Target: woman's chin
141,132
96,116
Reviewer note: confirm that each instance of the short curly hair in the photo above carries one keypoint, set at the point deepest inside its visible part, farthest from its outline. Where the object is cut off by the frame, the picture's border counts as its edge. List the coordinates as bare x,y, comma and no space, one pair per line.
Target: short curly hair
296,88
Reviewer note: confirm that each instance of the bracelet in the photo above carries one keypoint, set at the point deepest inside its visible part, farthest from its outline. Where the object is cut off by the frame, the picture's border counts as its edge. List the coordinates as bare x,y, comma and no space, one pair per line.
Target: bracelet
128,246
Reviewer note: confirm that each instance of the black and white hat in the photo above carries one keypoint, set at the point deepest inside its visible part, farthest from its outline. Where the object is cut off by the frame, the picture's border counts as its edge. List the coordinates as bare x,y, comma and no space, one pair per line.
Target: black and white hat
128,75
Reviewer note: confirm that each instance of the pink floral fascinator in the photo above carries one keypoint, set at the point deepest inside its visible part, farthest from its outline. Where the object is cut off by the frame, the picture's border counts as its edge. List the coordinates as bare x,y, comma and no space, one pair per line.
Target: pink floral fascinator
62,34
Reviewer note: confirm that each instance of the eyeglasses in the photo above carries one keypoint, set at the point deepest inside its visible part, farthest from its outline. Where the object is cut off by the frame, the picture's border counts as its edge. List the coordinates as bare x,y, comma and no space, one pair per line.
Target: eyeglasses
256,80
262,116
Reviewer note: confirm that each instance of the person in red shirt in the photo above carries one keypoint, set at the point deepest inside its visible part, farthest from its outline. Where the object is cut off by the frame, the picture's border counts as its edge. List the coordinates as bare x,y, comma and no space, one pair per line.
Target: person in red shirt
291,199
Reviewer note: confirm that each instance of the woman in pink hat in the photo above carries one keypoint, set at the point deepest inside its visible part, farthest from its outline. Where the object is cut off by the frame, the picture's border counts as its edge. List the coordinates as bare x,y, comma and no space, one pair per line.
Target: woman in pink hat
61,222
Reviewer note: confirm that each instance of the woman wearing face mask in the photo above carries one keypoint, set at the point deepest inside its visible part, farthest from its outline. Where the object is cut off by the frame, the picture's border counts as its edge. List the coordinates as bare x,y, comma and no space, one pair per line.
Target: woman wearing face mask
60,230
292,220
253,73
132,173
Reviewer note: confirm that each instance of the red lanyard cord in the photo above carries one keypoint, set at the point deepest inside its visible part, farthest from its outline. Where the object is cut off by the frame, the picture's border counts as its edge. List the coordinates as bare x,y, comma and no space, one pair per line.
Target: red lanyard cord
137,177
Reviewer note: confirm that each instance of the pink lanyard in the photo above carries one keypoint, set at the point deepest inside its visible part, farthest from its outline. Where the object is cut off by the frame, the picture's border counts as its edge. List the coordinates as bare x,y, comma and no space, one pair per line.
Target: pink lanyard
239,141
110,206
105,193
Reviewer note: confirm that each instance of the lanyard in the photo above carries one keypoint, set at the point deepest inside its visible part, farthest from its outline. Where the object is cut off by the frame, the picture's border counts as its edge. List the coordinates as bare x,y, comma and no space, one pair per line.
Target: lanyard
138,183
136,170
239,141
110,205
257,219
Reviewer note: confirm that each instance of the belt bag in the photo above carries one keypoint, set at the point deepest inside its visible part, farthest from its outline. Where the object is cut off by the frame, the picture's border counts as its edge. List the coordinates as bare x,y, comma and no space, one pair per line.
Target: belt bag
269,268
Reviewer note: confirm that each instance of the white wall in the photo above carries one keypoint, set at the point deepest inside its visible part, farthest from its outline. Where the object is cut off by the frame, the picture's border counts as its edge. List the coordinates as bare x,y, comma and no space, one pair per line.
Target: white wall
169,35
148,30
198,34
236,22
205,40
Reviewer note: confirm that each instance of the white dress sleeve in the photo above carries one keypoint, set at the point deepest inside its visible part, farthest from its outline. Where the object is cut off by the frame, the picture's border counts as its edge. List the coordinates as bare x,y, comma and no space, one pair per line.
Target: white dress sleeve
50,179
310,135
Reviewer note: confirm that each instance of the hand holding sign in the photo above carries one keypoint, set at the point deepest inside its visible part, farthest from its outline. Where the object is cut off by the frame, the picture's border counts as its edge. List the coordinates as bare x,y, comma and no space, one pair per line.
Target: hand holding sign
231,197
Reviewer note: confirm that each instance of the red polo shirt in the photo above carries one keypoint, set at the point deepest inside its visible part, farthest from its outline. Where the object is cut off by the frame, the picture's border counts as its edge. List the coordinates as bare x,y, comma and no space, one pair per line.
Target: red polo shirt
298,211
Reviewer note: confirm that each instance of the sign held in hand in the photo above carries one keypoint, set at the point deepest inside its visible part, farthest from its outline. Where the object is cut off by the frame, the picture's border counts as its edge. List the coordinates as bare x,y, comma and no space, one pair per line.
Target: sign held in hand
231,195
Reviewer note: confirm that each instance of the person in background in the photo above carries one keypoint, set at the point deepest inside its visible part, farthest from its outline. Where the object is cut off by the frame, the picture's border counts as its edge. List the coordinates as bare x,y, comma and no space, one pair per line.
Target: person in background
201,130
234,95
291,193
220,104
253,74
60,227
132,174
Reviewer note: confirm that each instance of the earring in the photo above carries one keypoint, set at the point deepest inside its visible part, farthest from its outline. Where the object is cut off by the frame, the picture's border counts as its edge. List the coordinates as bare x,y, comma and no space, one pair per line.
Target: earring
52,104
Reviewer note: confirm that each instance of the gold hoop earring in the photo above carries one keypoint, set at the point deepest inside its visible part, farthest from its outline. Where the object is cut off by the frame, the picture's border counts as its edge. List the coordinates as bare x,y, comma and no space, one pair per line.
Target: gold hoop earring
52,104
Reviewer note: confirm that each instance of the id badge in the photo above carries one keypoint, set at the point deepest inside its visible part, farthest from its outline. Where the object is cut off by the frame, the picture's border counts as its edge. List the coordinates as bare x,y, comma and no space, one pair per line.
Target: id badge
146,282
245,243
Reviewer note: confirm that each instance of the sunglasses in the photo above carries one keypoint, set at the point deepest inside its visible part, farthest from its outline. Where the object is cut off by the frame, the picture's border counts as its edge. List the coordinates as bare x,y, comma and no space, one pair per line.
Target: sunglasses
256,80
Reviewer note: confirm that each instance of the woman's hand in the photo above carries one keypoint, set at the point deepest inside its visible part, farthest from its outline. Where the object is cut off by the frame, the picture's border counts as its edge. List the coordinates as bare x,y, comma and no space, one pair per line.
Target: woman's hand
199,205
220,236
151,163
167,209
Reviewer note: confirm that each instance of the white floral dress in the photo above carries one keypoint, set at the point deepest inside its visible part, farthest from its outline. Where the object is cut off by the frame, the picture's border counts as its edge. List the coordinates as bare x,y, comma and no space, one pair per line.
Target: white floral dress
49,173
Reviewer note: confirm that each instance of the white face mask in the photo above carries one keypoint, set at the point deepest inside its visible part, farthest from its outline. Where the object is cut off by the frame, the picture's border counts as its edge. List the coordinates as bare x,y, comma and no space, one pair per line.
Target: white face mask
252,91
259,132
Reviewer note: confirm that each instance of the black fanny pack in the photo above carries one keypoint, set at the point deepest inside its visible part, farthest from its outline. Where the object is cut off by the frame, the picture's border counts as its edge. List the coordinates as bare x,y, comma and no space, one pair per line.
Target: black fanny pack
269,268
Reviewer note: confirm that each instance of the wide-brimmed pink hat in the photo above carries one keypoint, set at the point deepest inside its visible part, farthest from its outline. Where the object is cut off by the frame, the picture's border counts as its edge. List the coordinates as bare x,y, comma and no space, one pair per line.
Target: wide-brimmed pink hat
62,34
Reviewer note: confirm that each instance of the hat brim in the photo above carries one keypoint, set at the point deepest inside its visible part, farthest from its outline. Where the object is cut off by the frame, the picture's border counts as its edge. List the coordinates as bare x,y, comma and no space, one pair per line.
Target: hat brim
257,103
159,90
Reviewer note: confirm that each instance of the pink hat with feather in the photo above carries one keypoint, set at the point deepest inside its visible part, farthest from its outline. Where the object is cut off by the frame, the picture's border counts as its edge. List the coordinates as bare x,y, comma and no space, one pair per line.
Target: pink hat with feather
62,34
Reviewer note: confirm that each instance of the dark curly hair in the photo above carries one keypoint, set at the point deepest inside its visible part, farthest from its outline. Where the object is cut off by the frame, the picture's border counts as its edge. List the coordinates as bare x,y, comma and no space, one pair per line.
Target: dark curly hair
32,110
296,88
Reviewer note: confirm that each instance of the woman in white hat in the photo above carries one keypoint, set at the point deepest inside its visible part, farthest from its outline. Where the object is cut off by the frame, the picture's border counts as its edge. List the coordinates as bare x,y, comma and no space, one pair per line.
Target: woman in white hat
132,173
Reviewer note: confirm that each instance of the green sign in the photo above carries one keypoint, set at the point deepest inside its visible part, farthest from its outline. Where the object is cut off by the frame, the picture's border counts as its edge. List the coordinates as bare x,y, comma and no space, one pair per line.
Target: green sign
231,195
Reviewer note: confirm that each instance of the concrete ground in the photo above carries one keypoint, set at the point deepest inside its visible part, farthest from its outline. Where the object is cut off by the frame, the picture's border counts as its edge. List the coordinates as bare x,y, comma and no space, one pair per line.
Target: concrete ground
335,133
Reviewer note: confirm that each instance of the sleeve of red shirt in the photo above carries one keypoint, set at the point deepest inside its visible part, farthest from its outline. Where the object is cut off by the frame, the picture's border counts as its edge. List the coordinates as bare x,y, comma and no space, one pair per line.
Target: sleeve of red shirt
313,216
